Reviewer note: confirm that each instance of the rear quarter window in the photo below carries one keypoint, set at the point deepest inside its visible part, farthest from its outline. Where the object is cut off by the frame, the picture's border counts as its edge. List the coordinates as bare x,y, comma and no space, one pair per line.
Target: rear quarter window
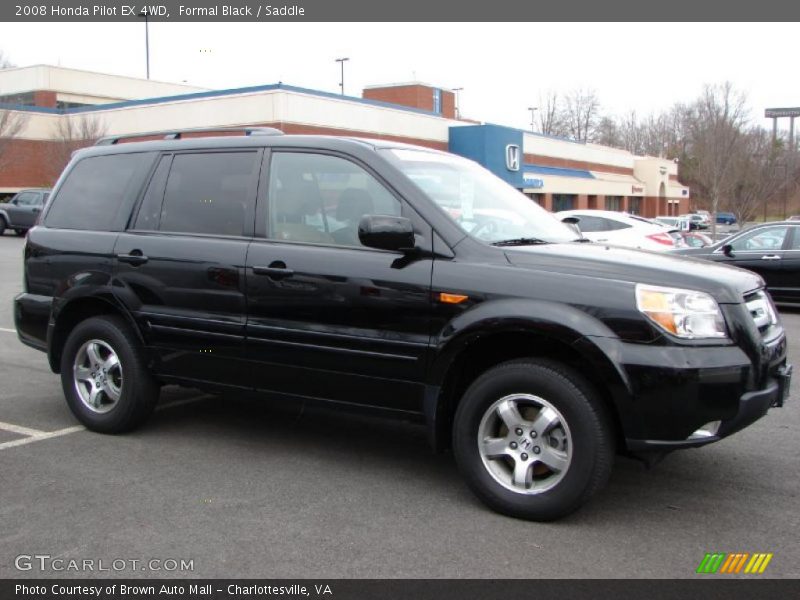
98,192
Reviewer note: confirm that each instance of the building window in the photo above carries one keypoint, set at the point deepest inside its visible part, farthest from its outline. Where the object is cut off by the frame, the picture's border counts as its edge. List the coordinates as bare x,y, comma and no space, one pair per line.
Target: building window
563,202
437,101
613,202
24,99
538,198
61,104
634,205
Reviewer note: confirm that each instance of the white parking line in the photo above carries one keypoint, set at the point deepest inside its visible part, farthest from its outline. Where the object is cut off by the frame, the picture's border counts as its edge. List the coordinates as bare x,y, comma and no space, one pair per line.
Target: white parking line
37,435
42,435
21,430
4,330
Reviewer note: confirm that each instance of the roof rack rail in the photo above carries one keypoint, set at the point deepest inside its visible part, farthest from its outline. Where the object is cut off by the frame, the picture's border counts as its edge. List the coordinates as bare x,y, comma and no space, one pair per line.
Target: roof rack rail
110,140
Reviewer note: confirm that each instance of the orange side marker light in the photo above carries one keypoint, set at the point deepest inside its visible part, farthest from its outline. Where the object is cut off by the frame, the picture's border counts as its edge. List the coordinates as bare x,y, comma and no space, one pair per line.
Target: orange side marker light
446,298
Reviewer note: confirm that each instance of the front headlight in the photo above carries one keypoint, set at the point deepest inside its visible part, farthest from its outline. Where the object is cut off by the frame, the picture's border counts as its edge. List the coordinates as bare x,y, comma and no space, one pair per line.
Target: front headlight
684,313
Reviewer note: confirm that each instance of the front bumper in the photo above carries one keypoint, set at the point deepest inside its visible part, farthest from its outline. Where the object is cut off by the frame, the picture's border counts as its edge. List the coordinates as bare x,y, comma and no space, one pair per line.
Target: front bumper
752,406
688,396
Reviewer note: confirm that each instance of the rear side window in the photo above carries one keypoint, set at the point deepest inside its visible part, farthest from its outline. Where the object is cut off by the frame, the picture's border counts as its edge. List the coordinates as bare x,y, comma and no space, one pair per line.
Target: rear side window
209,193
612,225
94,191
591,224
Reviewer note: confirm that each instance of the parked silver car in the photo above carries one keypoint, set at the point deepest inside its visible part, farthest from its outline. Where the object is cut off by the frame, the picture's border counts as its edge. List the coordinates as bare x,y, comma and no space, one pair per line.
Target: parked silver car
20,213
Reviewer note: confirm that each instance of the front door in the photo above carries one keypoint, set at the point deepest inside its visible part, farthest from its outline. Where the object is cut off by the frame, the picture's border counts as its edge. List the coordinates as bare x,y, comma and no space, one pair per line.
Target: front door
762,250
327,317
180,267
24,209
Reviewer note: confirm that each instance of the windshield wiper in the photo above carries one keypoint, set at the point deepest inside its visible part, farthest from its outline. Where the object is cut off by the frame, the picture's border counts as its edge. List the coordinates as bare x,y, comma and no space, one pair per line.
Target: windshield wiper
583,240
523,241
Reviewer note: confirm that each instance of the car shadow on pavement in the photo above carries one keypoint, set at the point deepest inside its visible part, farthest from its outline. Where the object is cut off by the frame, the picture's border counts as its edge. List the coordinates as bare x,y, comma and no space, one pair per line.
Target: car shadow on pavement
377,446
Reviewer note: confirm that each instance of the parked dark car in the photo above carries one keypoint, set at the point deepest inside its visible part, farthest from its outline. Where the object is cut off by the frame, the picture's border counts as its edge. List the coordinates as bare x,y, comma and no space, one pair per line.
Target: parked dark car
726,218
371,275
20,213
770,249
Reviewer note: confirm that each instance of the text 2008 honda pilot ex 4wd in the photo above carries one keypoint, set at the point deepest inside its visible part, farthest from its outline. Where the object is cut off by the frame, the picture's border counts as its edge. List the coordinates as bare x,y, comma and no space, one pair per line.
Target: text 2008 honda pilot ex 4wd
414,283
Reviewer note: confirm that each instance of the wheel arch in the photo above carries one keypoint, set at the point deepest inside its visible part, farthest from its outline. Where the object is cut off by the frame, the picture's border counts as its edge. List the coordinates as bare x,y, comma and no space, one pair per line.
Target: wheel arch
72,312
559,332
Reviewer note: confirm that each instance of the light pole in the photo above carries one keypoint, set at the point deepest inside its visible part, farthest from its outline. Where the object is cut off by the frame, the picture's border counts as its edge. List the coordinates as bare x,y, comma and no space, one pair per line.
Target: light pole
342,61
455,91
146,40
533,110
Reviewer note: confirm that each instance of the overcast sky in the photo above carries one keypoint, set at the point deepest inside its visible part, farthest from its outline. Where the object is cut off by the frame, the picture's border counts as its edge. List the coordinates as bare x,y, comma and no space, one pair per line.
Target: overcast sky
502,67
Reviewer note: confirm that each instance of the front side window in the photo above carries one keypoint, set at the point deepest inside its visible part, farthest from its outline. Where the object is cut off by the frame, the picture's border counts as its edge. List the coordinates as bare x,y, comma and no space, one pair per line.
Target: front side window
768,238
482,204
92,194
209,193
319,199
27,199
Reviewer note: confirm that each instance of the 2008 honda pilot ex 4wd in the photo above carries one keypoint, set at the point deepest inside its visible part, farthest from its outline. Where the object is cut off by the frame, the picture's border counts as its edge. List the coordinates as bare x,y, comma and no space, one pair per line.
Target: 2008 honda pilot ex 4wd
406,281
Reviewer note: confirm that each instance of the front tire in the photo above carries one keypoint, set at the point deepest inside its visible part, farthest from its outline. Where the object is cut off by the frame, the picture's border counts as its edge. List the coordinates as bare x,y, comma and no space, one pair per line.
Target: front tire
532,439
21,232
2,225
104,376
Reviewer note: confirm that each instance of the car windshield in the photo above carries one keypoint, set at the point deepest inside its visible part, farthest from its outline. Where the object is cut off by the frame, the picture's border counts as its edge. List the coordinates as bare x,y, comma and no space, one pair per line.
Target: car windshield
482,204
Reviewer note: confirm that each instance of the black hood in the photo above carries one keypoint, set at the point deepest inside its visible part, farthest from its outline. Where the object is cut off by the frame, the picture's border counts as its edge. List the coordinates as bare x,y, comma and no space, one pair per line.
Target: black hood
725,283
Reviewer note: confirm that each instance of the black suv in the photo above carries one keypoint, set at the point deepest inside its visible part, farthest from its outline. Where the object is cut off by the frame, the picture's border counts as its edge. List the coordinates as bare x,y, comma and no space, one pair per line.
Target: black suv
396,279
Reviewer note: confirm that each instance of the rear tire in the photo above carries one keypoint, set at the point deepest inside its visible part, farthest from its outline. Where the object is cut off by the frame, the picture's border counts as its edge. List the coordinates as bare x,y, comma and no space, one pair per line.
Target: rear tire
2,225
21,232
532,439
105,378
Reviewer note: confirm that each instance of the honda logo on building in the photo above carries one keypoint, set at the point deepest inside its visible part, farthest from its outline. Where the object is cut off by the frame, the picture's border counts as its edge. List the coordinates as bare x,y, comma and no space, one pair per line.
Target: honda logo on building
512,157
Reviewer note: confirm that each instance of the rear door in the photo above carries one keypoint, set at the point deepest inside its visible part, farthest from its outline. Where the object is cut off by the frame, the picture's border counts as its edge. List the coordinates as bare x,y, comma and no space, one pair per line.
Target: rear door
329,318
179,267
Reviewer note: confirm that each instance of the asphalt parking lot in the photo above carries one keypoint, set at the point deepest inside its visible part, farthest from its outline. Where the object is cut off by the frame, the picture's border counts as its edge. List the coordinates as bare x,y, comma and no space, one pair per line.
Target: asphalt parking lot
244,489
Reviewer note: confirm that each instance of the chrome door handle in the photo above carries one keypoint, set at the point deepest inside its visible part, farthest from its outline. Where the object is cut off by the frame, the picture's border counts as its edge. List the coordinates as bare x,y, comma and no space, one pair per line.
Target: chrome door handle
273,272
135,258
770,257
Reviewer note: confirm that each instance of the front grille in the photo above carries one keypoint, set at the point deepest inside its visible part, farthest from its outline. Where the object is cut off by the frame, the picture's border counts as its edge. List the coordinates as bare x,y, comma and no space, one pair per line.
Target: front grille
762,310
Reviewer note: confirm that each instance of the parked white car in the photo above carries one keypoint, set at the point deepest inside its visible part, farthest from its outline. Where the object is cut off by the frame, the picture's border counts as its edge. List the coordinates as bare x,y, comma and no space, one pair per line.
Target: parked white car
623,229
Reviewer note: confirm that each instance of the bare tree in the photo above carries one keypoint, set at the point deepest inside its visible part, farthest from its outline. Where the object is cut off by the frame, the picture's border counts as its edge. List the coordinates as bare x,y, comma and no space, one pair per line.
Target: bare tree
11,123
72,132
755,162
580,114
715,126
549,114
608,133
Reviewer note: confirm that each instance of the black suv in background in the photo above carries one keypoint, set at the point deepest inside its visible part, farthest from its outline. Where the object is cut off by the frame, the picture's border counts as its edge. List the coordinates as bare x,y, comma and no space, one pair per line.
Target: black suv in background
396,279
20,213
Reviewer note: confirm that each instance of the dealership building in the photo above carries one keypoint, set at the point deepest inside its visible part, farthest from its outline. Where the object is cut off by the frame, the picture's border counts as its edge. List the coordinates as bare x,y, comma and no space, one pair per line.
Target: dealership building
557,173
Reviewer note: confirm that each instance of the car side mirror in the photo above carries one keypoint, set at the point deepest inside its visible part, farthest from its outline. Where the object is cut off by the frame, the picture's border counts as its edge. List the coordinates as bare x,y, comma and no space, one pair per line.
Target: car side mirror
727,250
386,232
14,201
572,223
